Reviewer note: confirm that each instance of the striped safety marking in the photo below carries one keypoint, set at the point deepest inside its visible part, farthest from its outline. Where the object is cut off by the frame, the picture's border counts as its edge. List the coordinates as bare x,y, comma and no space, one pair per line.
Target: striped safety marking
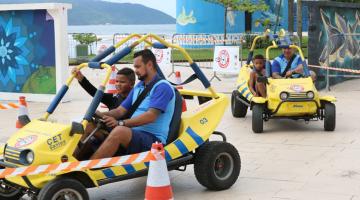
6,106
355,71
195,136
129,163
180,146
244,91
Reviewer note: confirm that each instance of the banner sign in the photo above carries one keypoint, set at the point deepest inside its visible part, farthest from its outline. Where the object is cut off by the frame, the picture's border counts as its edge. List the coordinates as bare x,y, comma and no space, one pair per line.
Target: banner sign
226,59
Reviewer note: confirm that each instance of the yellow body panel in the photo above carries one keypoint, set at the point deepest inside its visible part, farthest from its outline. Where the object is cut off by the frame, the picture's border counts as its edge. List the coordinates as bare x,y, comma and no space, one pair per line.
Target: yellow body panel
243,82
328,98
50,141
53,140
202,121
295,87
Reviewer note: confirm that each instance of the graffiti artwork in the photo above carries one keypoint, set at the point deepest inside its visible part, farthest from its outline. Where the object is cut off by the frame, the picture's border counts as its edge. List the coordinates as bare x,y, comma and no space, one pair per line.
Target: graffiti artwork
340,43
339,40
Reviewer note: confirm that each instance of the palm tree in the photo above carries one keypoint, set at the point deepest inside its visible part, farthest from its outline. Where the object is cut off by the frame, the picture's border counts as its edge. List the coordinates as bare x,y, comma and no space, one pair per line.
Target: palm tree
299,20
291,16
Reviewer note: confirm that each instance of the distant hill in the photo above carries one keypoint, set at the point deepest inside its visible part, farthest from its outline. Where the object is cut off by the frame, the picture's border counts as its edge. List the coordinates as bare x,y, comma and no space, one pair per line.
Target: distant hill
93,12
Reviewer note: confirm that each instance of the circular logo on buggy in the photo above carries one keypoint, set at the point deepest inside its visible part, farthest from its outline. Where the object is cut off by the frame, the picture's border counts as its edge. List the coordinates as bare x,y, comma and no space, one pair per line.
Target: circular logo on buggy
297,88
22,142
159,54
223,59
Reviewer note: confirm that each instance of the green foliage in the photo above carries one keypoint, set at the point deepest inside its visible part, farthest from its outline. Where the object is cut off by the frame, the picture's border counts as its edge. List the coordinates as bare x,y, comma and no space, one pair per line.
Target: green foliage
266,23
248,39
242,5
86,38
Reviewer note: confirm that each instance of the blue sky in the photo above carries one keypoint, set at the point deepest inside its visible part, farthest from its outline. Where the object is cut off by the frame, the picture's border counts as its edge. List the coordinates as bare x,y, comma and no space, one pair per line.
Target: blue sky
166,6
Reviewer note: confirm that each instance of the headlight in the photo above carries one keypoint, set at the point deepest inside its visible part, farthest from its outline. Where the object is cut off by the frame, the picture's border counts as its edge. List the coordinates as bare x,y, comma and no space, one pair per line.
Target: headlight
30,157
284,96
310,95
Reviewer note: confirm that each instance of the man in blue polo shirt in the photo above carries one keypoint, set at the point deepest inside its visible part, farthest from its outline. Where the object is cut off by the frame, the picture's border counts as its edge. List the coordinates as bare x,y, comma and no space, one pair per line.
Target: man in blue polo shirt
150,121
279,65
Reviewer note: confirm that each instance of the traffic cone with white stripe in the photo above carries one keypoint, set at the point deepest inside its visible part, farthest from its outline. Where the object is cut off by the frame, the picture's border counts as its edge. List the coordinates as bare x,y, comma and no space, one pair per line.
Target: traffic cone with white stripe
23,112
110,87
178,82
158,183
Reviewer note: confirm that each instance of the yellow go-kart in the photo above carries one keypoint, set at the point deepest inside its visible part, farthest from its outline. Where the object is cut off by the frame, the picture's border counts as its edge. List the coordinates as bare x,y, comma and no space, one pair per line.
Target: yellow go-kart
291,98
41,143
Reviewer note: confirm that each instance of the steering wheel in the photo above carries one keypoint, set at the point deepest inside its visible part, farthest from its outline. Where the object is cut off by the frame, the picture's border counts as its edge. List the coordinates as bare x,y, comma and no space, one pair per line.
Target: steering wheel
301,75
98,121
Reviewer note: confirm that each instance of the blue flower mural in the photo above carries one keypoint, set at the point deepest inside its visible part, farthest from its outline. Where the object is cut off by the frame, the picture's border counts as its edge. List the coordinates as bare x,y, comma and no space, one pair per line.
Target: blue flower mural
12,52
27,52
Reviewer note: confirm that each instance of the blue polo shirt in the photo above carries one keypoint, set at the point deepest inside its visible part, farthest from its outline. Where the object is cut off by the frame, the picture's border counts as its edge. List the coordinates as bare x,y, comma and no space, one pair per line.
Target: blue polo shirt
161,97
279,64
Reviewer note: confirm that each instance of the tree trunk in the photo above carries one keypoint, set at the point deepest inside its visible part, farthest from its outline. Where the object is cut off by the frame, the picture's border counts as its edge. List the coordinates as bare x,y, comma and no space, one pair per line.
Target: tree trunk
225,23
277,15
291,16
299,20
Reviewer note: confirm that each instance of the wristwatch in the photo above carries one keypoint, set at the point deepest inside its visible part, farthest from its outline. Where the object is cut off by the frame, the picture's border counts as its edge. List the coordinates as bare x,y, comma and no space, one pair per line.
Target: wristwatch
121,123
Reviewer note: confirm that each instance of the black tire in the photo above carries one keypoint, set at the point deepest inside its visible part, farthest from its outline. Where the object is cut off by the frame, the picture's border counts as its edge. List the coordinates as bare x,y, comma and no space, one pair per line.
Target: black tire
329,117
217,165
9,193
61,187
238,108
257,118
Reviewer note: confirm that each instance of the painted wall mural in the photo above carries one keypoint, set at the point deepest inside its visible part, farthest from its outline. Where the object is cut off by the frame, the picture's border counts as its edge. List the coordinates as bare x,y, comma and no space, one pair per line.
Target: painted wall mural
183,19
27,52
336,42
199,16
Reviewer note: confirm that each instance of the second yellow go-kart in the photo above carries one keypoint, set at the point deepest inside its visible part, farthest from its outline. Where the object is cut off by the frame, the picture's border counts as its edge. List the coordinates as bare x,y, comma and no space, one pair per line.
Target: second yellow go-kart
41,143
291,98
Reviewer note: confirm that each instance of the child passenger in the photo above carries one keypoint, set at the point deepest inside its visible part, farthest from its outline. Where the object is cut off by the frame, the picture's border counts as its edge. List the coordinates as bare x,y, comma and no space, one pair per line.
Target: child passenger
258,89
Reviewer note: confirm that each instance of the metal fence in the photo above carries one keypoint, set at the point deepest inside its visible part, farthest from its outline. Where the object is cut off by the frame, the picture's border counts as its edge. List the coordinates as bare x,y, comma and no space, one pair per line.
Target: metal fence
342,52
200,46
73,43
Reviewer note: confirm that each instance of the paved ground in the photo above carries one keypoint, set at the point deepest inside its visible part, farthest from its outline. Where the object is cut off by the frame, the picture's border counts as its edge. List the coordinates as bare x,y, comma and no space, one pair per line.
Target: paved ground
291,160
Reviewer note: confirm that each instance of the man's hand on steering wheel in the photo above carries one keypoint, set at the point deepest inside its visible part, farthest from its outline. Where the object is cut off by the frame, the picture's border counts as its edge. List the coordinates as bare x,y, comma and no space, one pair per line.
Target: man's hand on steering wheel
289,74
110,121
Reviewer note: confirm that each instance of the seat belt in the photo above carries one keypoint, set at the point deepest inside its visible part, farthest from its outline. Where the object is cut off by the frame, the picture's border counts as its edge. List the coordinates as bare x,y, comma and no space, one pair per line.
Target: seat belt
288,66
140,98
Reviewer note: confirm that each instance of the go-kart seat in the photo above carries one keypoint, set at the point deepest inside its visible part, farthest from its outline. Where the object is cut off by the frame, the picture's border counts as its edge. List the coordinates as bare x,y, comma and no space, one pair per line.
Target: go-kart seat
176,118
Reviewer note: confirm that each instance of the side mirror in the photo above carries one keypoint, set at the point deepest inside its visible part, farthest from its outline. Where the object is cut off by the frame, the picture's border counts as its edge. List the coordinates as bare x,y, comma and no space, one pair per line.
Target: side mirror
262,79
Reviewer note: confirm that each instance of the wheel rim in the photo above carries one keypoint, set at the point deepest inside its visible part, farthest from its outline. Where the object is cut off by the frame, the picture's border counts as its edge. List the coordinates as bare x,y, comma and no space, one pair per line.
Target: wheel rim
223,166
67,194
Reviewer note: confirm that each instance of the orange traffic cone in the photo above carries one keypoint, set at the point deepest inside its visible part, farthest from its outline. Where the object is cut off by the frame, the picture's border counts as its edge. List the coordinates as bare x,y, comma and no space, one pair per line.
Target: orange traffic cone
110,87
158,183
23,111
178,81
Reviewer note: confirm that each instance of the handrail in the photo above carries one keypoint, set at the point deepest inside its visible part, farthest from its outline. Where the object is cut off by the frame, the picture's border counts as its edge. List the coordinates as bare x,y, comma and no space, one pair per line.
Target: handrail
193,65
65,88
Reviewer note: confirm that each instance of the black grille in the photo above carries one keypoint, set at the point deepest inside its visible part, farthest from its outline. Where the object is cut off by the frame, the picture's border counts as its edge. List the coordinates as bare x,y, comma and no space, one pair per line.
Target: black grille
300,95
12,155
